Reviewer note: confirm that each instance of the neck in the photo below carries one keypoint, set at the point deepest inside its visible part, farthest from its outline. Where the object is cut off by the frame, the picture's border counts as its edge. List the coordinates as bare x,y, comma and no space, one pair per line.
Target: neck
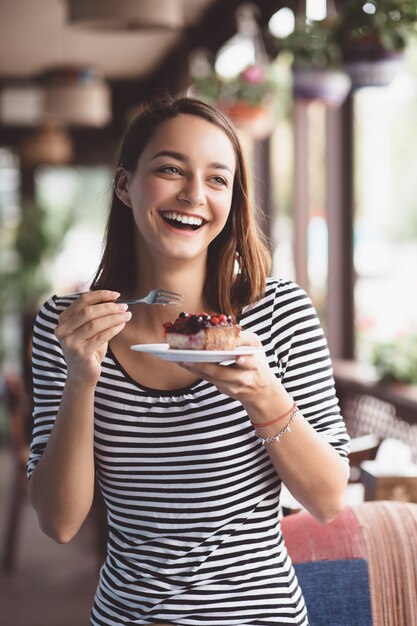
184,277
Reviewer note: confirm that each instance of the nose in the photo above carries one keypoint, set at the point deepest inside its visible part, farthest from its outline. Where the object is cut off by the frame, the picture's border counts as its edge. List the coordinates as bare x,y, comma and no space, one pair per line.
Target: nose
192,191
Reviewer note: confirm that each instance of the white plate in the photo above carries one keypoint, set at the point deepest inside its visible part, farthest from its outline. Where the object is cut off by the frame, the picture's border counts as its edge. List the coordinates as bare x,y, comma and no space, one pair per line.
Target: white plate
194,356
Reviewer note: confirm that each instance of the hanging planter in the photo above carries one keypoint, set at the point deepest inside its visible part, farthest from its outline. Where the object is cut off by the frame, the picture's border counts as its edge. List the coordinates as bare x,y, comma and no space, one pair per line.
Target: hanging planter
316,71
372,37
331,87
370,64
249,96
364,40
257,120
248,99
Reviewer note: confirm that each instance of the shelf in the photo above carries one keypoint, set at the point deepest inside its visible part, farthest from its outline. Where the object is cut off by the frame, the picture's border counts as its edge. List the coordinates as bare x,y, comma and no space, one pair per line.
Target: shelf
353,377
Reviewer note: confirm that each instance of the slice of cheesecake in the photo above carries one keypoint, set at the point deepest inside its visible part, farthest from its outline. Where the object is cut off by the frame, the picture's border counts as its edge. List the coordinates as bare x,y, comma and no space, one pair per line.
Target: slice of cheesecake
200,331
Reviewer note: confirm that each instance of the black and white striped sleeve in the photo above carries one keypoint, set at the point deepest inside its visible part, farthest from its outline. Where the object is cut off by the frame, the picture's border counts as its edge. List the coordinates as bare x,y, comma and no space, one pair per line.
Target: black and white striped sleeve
305,363
49,374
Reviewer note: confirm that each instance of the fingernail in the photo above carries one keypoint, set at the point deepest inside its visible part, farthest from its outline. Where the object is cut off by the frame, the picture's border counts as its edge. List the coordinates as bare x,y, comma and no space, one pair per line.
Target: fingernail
122,307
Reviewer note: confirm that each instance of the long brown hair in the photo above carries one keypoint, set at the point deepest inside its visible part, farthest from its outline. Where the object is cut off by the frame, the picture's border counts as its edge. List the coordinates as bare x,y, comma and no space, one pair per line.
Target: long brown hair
238,259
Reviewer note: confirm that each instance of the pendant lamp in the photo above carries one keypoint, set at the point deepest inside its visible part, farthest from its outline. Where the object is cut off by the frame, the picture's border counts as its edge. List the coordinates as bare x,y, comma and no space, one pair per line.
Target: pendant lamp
77,97
126,14
50,145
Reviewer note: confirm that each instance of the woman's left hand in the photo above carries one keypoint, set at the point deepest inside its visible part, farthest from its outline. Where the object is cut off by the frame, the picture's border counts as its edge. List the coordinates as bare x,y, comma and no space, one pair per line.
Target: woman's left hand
246,380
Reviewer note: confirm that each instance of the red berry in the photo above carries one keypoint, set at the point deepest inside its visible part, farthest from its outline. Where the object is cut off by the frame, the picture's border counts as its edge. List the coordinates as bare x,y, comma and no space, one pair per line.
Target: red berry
222,318
180,324
215,320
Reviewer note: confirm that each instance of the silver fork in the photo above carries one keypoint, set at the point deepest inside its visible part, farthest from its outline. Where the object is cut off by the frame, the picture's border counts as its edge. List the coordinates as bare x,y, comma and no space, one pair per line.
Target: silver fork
157,296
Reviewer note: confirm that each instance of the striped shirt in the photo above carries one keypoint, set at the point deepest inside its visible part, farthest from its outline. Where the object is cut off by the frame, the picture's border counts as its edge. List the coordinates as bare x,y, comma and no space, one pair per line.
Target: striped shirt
192,495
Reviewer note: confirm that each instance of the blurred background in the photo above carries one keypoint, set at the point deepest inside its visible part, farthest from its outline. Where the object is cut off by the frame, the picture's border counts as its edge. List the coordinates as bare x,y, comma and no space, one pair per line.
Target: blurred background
324,96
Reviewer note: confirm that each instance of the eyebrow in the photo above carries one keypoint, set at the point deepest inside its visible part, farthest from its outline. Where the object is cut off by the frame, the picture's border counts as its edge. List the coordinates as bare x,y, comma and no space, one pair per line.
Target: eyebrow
178,156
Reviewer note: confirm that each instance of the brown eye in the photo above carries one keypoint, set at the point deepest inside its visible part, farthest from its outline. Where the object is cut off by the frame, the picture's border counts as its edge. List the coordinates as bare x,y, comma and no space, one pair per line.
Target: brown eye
219,180
170,169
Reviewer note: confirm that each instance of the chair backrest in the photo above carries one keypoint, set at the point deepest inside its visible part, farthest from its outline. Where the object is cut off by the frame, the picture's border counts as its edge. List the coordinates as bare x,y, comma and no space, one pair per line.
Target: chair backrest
359,570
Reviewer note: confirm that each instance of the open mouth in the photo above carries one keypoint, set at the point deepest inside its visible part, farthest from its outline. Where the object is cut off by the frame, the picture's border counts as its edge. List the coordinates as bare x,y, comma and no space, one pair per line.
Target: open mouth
183,222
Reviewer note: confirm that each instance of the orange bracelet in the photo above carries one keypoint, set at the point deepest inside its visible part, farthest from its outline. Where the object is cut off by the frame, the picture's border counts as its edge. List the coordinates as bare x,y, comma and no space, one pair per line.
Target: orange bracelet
286,429
277,419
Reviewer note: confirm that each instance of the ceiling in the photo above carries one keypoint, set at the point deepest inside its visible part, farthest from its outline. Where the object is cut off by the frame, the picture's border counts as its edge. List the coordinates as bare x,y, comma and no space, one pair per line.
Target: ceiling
35,36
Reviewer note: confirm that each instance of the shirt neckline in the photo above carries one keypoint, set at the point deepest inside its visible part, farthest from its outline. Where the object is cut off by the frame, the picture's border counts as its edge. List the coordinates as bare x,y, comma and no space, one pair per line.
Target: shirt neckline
150,390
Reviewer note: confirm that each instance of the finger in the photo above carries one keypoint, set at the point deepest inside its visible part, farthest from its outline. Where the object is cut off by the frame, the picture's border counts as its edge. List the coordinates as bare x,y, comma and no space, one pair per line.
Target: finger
247,338
97,342
79,329
88,299
228,380
92,328
245,362
87,314
99,295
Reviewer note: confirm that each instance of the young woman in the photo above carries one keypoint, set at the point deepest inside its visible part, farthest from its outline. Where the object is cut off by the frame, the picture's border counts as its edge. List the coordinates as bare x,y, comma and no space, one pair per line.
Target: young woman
191,486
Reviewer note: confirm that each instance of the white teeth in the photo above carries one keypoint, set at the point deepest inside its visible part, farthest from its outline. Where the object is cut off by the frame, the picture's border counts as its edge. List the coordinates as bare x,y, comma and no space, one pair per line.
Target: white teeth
184,219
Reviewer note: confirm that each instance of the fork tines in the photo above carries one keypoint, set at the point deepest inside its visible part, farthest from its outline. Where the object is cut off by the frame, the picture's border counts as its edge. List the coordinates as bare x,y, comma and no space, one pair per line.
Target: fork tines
172,294
164,296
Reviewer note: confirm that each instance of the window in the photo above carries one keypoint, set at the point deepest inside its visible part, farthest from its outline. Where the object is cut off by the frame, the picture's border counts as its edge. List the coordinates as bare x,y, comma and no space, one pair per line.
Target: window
385,244
51,244
76,201
9,219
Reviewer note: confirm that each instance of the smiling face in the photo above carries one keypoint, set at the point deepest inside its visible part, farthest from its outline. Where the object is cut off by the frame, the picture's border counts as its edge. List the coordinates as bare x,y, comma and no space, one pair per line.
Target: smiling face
181,190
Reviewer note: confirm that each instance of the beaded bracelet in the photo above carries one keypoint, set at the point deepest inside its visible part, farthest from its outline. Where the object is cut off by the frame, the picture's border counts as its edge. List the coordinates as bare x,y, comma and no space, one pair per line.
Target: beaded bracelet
286,429
276,419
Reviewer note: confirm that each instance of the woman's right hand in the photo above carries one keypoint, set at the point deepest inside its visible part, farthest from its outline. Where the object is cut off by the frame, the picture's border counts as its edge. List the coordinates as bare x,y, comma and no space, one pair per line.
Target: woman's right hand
84,330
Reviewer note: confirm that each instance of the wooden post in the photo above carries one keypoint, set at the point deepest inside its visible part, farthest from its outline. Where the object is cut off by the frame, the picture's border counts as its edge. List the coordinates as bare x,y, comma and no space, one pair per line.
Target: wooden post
262,187
340,211
301,192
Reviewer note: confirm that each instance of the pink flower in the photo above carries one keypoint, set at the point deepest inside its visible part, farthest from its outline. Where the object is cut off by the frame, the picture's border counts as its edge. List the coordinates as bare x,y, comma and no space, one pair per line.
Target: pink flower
254,74
365,323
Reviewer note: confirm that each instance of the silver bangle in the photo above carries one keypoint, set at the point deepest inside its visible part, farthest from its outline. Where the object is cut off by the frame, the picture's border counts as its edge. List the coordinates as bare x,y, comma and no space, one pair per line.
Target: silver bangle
286,429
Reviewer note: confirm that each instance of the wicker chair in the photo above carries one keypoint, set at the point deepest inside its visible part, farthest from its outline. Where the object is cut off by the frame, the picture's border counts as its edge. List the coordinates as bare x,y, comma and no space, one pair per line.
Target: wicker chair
18,410
359,570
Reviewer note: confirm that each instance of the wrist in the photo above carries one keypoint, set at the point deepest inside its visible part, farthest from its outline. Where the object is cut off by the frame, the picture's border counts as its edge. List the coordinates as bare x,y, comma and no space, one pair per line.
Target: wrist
281,417
266,438
269,407
76,384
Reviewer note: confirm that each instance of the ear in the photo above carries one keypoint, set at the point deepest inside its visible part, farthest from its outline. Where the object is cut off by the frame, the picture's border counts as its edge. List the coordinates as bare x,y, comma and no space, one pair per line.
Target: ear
121,186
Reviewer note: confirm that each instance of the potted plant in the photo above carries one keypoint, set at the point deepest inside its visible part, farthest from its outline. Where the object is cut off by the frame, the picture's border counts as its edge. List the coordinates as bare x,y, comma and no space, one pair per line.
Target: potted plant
316,69
372,37
396,361
23,281
248,98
